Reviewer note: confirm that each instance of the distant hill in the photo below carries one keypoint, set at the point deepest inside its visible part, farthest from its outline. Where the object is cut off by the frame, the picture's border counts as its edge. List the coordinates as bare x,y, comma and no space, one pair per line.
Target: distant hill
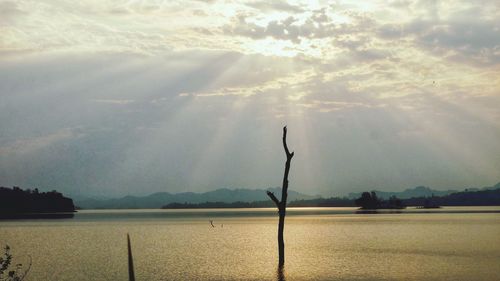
419,191
317,202
496,186
484,197
225,195
157,200
220,205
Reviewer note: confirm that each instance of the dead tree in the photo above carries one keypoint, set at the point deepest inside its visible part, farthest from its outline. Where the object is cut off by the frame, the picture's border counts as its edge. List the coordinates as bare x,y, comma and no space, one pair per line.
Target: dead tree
281,205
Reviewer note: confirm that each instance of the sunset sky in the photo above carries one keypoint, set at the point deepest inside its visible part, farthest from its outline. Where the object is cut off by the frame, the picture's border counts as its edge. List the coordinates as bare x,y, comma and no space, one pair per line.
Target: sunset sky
134,97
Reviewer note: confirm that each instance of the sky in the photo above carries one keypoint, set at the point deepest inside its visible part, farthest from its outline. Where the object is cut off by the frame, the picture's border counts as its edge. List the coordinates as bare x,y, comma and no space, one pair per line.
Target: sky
109,98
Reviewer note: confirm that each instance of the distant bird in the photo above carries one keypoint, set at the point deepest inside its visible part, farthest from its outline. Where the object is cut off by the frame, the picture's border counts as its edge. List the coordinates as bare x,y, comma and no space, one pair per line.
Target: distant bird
212,223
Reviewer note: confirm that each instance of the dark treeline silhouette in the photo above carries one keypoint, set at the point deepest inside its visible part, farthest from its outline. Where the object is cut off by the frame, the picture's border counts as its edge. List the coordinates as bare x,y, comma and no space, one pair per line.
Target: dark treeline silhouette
429,204
466,198
205,205
17,201
319,202
323,202
369,200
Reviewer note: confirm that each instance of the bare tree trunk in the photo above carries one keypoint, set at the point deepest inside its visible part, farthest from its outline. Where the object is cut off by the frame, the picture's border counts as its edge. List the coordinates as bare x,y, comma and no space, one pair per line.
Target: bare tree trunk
281,242
281,205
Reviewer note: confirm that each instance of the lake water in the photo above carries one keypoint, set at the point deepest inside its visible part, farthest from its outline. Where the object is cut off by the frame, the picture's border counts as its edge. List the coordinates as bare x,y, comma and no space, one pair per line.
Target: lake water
321,244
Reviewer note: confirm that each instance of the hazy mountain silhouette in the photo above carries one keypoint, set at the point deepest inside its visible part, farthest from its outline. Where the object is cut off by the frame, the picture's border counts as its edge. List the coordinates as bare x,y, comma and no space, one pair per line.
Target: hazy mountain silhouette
485,197
225,195
419,191
496,186
369,200
157,200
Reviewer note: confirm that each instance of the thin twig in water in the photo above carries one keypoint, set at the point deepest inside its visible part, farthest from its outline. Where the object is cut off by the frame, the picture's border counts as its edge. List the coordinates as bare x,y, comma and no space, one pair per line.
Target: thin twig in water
131,275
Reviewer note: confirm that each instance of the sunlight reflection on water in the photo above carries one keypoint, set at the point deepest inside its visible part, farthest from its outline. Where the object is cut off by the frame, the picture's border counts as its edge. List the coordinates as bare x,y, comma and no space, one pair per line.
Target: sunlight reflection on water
320,245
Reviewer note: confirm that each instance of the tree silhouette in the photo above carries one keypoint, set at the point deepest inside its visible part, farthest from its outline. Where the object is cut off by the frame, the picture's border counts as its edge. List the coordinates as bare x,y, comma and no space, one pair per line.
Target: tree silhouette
368,200
281,205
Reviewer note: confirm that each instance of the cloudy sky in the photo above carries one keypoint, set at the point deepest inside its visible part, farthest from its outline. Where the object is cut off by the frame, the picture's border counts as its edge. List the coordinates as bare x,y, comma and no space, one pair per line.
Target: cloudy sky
134,97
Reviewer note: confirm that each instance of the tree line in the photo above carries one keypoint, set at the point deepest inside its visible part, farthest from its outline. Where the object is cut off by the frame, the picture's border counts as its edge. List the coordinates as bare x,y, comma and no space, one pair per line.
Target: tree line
16,200
368,200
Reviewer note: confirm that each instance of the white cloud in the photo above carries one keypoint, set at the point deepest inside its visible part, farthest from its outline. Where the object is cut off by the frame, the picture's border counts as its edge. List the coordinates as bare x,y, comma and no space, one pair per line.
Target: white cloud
114,101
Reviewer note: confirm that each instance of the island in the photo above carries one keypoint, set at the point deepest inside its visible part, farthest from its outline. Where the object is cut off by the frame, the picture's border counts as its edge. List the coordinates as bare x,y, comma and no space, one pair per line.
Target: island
370,201
16,203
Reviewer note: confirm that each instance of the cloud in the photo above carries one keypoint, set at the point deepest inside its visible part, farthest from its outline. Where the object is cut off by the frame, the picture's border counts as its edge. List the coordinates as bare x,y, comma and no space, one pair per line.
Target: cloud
464,39
104,98
471,41
114,101
280,6
317,25
9,12
32,144
329,106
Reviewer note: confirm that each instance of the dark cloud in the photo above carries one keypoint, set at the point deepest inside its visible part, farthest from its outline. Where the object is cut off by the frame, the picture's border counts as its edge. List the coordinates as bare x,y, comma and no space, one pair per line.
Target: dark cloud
475,41
462,40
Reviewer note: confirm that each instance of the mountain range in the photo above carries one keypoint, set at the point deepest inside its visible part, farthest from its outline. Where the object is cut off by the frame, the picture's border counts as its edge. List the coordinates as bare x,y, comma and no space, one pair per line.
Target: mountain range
157,200
225,195
420,191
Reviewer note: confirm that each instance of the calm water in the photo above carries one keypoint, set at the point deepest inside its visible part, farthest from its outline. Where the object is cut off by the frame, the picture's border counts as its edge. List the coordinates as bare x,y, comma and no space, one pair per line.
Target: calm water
321,244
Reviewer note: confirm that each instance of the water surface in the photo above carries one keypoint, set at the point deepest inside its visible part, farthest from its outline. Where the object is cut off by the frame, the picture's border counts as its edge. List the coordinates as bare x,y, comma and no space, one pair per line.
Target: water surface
321,244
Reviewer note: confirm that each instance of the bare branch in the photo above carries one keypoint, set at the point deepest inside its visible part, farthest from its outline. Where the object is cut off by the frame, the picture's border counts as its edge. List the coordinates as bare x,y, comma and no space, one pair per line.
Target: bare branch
288,154
275,200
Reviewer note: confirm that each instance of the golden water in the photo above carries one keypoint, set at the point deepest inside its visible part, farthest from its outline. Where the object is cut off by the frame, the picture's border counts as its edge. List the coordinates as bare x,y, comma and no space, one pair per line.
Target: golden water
321,244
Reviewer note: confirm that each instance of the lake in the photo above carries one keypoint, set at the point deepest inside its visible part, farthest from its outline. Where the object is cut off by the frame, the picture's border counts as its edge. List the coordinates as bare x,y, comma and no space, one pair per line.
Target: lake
454,243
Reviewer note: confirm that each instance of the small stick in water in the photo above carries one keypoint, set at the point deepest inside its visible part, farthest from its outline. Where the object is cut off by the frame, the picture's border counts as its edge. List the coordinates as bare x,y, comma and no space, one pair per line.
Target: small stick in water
131,275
